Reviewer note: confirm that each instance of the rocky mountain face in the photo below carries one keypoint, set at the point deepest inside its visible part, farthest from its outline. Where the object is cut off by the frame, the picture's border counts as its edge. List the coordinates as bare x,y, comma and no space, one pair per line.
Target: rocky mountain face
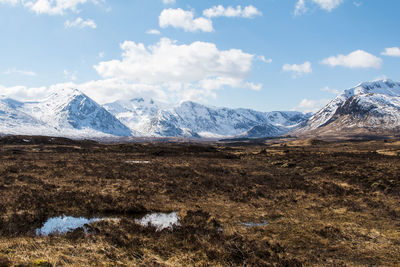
190,119
370,107
65,113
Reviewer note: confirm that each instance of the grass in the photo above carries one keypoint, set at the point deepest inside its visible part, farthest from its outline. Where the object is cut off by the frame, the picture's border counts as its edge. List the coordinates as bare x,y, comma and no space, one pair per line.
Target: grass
326,203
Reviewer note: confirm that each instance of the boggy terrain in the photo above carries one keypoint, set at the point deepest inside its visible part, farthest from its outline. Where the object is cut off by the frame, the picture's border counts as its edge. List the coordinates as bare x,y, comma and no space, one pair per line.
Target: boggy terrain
298,203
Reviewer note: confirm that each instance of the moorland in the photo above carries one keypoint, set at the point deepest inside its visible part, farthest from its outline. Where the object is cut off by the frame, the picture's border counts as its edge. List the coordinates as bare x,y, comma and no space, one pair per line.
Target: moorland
269,203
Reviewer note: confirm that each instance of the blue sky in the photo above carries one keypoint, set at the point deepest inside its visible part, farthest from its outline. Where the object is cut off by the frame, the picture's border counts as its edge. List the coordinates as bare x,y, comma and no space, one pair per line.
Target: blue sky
260,54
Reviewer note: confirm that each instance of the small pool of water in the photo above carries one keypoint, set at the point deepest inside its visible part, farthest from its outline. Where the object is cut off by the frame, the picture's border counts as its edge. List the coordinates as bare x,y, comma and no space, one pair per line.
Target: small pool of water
137,161
252,224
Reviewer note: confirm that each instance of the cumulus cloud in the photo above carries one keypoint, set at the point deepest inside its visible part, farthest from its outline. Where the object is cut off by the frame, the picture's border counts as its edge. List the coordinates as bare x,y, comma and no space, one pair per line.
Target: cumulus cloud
50,7
102,91
12,71
356,59
221,11
298,70
153,32
392,52
10,2
309,105
166,71
168,61
264,59
300,7
179,18
24,93
327,5
330,90
194,70
80,23
70,76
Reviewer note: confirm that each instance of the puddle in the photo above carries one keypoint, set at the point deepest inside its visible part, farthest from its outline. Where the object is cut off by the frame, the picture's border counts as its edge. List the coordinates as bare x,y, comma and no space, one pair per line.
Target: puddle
160,221
252,224
64,224
137,161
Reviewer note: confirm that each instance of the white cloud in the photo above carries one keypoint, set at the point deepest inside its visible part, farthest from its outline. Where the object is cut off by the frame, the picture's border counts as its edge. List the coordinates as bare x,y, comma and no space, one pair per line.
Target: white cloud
356,59
220,11
80,23
168,61
101,54
70,76
153,32
300,7
102,91
50,7
194,70
329,90
298,70
24,93
12,71
264,59
253,86
309,105
166,71
179,18
54,7
392,52
10,2
168,1
327,5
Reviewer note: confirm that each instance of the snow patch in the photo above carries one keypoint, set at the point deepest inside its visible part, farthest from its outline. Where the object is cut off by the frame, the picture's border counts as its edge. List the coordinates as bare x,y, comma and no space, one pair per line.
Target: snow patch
64,224
160,221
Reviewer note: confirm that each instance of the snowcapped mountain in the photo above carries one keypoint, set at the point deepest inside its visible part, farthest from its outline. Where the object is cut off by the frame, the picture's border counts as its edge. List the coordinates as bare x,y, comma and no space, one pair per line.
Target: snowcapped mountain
65,113
70,113
367,107
135,113
191,119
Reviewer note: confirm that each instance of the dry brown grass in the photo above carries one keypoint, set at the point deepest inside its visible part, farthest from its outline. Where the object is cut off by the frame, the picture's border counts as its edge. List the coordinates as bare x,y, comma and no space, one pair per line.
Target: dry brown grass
326,203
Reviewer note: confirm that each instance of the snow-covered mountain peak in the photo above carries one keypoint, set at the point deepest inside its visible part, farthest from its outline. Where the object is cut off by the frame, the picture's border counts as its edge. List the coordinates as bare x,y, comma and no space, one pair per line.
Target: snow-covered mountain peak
371,105
385,87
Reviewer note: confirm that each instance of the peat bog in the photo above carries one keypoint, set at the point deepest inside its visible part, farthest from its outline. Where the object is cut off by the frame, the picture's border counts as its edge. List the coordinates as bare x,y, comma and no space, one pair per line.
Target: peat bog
299,203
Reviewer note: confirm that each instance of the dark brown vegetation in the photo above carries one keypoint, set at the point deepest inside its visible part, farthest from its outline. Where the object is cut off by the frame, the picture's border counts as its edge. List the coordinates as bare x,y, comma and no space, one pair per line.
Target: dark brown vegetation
325,203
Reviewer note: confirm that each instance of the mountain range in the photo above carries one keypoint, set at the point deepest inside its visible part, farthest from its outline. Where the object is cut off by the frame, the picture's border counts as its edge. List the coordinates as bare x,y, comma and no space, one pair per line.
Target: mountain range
370,107
70,113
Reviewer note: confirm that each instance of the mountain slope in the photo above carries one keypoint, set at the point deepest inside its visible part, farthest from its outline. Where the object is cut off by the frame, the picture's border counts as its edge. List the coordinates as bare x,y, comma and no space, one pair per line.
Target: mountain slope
192,119
65,113
370,107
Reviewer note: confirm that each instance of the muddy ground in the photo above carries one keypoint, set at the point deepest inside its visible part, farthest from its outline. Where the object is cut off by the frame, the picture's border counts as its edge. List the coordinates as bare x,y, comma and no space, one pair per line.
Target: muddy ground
312,202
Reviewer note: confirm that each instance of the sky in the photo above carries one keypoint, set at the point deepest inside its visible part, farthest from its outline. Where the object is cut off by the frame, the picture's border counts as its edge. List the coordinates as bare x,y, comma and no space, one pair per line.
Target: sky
260,54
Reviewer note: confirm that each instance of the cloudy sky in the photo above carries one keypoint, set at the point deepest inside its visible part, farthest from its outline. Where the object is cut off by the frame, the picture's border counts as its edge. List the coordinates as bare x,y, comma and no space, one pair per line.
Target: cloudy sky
260,54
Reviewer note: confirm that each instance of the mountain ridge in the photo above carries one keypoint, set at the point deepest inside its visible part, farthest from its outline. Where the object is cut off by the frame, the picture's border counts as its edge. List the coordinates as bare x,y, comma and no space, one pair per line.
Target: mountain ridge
369,107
